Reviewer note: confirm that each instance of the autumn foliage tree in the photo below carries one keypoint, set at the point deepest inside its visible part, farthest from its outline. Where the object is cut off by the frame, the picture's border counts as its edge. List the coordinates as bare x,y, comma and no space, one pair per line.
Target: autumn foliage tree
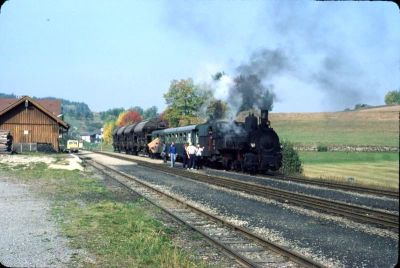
128,117
107,132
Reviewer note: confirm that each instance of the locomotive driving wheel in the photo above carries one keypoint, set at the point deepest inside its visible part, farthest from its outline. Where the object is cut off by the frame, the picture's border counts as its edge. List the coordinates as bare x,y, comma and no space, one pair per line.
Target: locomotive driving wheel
237,165
227,164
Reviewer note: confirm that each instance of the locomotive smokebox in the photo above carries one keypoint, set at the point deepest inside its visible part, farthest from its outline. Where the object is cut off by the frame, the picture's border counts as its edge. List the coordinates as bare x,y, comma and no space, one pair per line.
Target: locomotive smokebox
264,118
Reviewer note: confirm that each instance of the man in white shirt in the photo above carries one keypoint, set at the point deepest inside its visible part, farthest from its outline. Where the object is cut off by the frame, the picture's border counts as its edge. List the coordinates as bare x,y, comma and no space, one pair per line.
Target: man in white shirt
191,149
199,152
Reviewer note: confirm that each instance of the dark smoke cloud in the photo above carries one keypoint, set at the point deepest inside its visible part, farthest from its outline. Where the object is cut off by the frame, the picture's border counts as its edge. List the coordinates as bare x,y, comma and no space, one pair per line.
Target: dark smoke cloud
250,89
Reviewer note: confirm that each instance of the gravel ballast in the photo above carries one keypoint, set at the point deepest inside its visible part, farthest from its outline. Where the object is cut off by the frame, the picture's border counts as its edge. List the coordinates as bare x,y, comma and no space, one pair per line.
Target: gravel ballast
376,202
333,241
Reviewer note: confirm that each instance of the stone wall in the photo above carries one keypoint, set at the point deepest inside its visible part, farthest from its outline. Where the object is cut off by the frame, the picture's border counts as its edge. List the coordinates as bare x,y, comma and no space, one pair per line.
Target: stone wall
348,148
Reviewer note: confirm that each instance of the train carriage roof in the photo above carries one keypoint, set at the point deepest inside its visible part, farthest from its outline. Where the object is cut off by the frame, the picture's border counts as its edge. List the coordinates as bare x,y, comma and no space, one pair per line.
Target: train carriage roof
175,130
130,128
121,130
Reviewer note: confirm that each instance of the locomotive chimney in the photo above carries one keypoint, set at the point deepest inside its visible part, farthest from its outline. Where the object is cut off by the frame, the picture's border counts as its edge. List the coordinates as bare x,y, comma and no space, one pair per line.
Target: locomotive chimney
264,118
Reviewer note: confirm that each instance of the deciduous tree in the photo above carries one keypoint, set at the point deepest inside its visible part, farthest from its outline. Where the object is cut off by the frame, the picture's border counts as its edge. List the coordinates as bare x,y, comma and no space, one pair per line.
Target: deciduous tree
150,112
184,100
392,97
137,109
107,131
111,114
128,117
217,109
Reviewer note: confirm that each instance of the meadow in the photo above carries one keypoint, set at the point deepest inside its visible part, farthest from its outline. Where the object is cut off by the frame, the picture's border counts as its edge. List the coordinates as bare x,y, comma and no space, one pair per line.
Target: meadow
377,127
369,127
374,169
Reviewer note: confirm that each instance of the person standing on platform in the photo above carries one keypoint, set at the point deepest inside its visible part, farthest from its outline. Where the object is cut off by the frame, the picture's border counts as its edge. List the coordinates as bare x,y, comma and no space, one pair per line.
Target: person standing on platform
199,160
172,153
164,152
185,156
191,149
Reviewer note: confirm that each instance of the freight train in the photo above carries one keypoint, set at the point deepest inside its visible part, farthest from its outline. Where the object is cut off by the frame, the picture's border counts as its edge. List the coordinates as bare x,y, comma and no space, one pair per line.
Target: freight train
252,146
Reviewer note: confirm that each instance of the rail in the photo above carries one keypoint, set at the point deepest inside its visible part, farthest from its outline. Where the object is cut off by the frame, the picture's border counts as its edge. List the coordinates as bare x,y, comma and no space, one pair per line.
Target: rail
351,211
222,242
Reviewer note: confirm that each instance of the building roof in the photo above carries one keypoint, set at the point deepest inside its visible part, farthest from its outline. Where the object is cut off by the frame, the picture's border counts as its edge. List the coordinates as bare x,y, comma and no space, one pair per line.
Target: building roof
53,106
49,107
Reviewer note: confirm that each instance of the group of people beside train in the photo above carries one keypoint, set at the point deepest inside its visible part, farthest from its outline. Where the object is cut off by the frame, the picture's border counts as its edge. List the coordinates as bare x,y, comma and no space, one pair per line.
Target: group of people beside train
191,156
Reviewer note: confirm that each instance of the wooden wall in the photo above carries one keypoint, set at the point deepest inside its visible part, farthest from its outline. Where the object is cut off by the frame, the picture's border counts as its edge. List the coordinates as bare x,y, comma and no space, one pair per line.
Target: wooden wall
30,125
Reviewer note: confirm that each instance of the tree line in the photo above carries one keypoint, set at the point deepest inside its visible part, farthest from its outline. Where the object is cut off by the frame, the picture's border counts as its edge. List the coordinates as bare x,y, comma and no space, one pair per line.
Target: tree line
187,103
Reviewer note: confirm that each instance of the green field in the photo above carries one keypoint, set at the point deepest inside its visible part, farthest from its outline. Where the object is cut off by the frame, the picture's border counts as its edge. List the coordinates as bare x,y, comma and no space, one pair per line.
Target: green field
364,168
339,133
371,127
375,127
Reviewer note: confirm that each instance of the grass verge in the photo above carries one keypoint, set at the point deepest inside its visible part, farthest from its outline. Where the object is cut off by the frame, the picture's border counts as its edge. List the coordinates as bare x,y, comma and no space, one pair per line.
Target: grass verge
115,233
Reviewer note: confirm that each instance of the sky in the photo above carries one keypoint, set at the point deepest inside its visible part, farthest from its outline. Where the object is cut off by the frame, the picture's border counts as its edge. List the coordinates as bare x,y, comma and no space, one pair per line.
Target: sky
312,56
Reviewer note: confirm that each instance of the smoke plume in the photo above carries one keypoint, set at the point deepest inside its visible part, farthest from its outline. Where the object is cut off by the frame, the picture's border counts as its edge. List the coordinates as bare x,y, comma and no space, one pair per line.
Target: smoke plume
251,87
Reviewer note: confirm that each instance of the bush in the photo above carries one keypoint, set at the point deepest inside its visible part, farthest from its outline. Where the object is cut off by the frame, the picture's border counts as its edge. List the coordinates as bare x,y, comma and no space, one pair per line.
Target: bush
322,148
361,106
291,160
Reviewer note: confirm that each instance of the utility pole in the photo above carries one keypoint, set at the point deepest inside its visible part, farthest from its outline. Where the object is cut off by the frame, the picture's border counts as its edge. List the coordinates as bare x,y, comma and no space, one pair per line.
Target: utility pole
101,139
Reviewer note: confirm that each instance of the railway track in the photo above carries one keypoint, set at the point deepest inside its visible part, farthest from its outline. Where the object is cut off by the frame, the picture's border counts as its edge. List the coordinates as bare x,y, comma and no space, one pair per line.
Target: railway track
336,185
353,212
249,249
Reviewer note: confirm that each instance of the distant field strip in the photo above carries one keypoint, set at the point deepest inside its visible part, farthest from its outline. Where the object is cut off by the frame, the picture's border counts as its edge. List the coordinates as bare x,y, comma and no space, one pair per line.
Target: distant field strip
374,127
383,173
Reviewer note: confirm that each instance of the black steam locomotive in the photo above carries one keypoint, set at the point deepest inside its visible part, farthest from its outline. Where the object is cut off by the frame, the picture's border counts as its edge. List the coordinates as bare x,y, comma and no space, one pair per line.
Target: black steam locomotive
252,146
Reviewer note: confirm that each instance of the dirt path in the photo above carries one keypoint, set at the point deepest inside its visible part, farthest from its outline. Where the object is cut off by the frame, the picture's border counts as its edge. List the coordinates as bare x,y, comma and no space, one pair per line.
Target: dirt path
28,236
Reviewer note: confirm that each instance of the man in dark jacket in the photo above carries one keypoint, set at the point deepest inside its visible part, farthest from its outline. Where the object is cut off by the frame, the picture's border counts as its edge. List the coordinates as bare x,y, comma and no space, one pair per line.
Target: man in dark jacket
172,153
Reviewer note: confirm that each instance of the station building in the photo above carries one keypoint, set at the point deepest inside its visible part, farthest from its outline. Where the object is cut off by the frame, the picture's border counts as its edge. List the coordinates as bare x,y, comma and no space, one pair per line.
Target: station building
35,125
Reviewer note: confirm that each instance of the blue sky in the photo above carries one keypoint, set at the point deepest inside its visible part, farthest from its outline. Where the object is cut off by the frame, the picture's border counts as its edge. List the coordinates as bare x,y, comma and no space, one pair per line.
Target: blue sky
126,53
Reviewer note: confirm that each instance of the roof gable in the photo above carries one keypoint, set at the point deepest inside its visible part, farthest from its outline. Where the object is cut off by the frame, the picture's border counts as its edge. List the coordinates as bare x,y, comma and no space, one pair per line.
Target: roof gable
8,104
53,106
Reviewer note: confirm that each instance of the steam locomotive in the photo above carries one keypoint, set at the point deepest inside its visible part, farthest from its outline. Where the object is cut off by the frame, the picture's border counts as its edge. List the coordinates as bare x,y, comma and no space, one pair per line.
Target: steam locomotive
252,146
